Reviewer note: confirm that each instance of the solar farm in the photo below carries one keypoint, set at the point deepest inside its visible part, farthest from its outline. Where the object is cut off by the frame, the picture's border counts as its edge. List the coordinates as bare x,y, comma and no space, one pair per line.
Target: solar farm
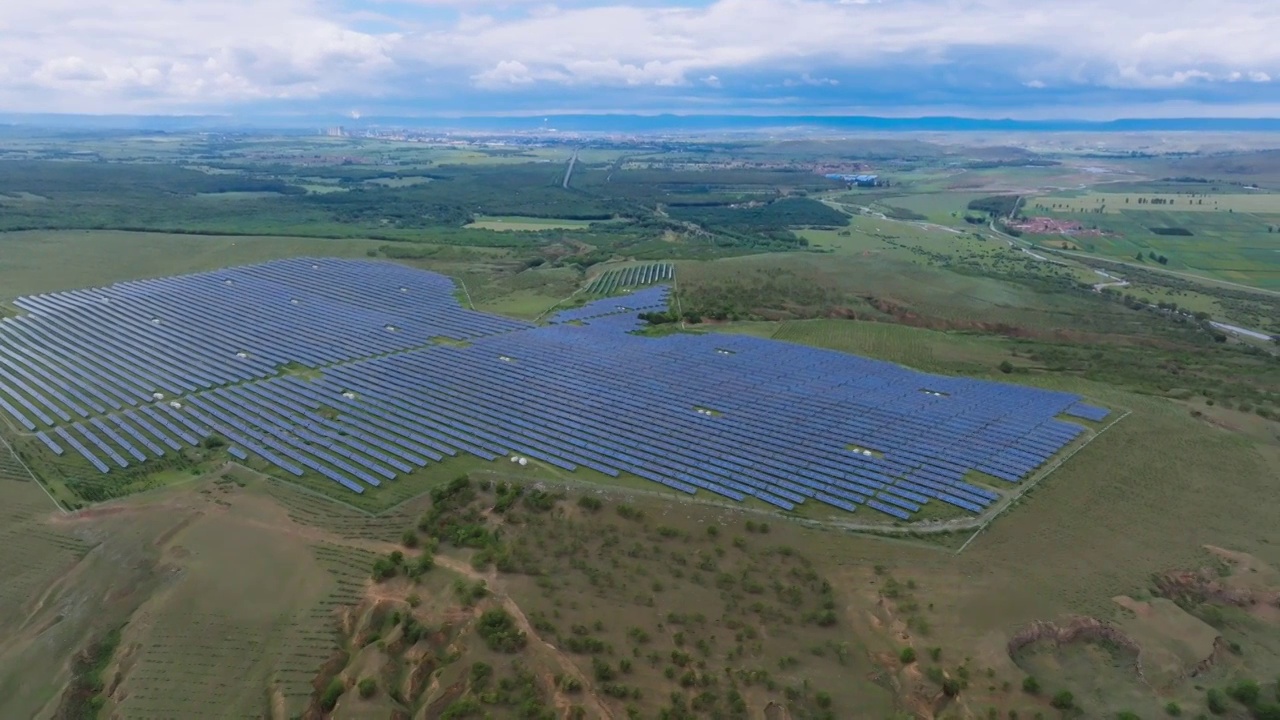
397,376
634,276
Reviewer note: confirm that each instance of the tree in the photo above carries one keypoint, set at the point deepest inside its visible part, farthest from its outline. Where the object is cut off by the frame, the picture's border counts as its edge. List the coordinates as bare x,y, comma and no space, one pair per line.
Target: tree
368,686
1006,367
1173,709
951,687
1063,700
1030,685
907,656
1138,257
213,442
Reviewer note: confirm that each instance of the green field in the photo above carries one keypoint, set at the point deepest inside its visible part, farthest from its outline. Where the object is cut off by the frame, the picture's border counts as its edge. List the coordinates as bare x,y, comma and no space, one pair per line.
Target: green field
197,587
1230,237
1106,202
45,261
512,223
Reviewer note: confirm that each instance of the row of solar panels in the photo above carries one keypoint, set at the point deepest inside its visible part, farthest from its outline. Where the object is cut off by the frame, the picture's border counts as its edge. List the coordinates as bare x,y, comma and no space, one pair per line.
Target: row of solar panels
596,397
630,277
575,379
90,351
654,298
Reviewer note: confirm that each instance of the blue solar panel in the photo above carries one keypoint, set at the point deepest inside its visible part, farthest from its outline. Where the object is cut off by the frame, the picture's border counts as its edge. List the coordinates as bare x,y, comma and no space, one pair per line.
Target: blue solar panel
732,415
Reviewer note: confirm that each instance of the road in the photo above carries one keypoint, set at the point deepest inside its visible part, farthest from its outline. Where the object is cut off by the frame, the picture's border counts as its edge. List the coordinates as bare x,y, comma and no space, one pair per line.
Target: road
568,173
1121,282
1240,331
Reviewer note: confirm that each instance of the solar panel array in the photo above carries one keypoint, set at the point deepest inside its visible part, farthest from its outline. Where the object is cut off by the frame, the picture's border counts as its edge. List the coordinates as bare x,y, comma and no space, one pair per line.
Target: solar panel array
1088,412
647,300
125,374
633,276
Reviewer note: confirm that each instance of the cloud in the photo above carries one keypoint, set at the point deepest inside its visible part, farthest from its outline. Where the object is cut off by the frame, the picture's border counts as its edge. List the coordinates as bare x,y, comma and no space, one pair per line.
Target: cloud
182,55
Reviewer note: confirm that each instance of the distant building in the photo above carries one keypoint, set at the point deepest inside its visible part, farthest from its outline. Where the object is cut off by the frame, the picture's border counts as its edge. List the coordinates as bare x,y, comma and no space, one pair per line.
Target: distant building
856,180
336,132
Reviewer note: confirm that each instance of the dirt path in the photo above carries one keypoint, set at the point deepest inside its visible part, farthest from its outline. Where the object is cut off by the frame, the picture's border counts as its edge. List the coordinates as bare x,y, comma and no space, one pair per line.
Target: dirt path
595,707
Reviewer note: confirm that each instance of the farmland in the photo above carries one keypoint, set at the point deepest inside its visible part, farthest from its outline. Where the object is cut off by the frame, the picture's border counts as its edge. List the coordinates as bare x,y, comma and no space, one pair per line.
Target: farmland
515,224
209,586
1224,236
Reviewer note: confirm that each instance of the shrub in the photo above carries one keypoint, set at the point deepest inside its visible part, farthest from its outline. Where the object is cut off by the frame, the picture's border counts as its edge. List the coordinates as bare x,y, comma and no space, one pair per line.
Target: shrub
907,656
409,539
329,699
498,629
1006,367
628,512
1173,709
368,686
1216,701
951,687
480,674
1030,685
823,699
1245,692
1266,711
590,504
935,654
1127,715
1064,700
383,569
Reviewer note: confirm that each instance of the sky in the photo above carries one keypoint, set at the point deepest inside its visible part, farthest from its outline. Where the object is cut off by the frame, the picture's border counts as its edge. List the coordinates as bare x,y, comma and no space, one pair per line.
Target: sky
1026,59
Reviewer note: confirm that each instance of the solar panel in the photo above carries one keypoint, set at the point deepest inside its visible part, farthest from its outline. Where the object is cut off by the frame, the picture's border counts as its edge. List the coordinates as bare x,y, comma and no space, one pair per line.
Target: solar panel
732,415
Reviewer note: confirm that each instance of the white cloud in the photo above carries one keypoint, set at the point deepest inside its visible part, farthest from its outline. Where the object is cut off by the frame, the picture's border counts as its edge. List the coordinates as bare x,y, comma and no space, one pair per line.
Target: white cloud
113,56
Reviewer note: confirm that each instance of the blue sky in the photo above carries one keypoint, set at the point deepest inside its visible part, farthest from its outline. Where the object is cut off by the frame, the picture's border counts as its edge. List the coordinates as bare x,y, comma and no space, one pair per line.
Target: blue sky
1034,59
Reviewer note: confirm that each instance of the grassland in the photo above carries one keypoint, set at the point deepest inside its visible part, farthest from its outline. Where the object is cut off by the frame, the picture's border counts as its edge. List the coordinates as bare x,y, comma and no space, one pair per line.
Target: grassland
47,260
220,591
513,223
1262,203
1223,236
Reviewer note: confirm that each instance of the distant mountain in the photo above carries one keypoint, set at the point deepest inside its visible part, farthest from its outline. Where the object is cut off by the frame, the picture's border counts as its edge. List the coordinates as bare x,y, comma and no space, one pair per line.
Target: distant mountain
620,123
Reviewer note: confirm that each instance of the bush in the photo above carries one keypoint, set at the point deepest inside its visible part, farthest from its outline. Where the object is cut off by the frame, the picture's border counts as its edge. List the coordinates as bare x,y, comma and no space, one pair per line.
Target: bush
1006,367
1245,692
590,504
1173,709
383,569
1216,701
498,629
368,686
329,699
409,539
1127,715
1064,700
907,656
1030,685
951,687
629,512
1266,711
480,674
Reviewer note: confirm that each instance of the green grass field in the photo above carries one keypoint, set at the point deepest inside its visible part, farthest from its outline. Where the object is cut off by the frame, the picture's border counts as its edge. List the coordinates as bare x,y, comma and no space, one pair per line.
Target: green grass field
513,223
45,261
1227,237
1106,202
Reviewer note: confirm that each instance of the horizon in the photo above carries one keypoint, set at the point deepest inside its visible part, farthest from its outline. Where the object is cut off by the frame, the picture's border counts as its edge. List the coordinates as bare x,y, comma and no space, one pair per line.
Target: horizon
1089,60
